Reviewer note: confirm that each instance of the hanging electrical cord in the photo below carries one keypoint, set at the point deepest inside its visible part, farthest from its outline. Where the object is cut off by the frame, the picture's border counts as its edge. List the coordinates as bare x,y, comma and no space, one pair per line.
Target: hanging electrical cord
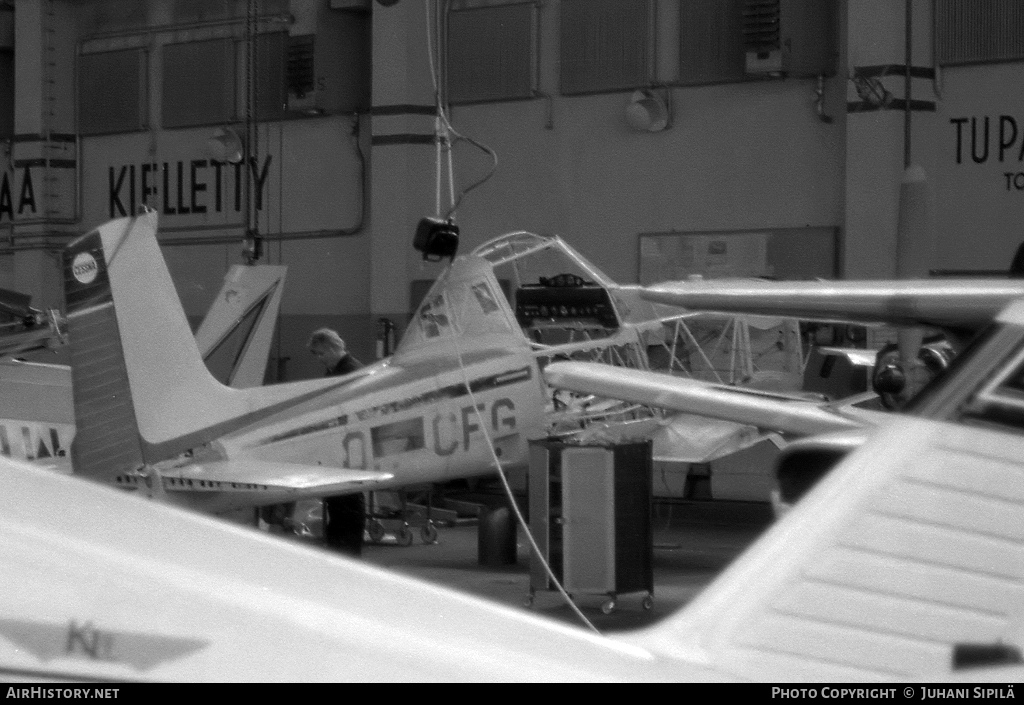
447,136
253,243
520,519
444,132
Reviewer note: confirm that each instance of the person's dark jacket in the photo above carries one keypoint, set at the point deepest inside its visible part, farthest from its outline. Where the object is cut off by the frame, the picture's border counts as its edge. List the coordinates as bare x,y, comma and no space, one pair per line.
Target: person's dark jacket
345,365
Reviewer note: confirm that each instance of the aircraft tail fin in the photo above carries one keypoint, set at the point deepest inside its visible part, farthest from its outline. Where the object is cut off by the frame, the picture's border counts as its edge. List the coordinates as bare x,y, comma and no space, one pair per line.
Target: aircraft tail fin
141,390
465,303
106,442
899,564
238,330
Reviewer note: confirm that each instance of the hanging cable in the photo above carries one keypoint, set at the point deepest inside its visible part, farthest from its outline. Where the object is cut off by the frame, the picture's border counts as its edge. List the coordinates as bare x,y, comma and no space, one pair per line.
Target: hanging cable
445,134
253,243
504,479
254,104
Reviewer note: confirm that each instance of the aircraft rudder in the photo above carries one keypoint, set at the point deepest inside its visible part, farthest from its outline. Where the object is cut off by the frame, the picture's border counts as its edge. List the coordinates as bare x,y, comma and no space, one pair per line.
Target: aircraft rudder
140,337
106,438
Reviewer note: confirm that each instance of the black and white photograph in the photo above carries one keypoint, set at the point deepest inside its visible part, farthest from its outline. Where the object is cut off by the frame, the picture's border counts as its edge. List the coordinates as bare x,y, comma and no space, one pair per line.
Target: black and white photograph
512,341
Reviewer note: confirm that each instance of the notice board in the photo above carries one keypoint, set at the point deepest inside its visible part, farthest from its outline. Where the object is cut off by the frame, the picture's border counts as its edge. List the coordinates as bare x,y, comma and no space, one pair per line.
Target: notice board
775,253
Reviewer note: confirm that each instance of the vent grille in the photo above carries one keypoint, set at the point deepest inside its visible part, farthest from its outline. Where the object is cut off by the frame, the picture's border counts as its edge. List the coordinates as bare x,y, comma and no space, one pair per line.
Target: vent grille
761,25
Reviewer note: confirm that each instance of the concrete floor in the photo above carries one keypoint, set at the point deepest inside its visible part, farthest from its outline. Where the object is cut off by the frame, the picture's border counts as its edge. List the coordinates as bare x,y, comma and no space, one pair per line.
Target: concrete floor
693,542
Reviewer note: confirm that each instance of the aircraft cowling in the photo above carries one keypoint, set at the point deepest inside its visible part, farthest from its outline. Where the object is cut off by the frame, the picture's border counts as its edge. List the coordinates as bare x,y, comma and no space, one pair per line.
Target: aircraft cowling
889,378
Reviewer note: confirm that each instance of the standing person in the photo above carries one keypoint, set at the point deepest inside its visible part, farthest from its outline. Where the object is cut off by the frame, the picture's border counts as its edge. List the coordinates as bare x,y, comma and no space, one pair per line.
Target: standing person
326,345
345,515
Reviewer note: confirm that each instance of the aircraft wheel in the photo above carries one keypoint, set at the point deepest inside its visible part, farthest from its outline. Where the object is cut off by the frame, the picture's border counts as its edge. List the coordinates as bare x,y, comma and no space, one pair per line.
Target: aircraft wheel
648,602
405,536
428,533
528,602
376,531
608,607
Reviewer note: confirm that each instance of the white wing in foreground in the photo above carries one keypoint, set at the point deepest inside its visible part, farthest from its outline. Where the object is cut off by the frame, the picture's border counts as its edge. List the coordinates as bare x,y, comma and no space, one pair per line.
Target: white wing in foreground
905,562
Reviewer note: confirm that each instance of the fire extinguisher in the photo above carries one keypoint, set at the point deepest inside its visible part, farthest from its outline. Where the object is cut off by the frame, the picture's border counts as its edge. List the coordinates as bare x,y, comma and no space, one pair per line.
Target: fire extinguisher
385,337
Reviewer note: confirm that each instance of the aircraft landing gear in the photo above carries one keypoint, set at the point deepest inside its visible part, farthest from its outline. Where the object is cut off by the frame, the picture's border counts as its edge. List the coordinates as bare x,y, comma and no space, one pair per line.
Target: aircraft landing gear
429,533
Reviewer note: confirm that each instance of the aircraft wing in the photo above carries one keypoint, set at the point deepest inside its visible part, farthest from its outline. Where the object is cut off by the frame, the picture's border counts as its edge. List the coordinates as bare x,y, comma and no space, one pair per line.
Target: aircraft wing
778,412
100,586
304,479
898,566
904,562
961,304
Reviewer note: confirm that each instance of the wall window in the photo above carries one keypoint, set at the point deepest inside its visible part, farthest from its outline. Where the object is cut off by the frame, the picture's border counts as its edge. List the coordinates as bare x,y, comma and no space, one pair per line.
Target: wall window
970,32
271,88
606,45
98,16
112,92
193,11
6,94
491,53
398,437
6,71
198,83
711,48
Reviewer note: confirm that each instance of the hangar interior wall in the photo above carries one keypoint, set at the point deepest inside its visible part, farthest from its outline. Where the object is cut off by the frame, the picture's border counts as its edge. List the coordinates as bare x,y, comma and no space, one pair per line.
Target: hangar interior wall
341,188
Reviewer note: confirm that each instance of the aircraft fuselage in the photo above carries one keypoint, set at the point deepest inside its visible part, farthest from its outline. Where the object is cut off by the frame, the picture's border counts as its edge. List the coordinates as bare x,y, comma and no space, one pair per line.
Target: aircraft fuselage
419,428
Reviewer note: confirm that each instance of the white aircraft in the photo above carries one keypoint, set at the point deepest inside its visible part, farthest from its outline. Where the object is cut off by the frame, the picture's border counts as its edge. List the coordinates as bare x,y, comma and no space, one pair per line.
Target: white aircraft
904,564
956,307
952,304
27,328
37,421
463,388
828,429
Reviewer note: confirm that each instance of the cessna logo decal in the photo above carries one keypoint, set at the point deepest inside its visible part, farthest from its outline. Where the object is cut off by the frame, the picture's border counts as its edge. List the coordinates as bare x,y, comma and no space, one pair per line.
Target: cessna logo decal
84,268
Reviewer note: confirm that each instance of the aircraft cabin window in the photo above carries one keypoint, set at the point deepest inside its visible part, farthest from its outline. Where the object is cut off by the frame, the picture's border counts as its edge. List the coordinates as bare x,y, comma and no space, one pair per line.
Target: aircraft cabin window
433,319
398,437
485,297
1001,397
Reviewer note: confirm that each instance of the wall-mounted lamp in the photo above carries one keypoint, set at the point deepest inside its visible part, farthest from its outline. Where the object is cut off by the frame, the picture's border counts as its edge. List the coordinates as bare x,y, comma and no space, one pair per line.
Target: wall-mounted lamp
225,146
647,112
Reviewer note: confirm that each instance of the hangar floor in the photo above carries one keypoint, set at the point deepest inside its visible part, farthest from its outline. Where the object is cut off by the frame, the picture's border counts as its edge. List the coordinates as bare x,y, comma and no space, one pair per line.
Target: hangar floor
693,542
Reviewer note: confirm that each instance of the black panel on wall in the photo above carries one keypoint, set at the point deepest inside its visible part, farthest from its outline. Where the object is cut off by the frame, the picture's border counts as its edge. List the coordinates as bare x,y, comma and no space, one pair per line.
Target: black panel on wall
111,92
198,83
491,53
6,94
711,41
606,45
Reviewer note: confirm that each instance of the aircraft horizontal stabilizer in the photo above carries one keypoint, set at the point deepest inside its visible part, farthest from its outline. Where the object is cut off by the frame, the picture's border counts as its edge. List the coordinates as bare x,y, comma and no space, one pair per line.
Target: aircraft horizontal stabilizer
747,406
289,476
